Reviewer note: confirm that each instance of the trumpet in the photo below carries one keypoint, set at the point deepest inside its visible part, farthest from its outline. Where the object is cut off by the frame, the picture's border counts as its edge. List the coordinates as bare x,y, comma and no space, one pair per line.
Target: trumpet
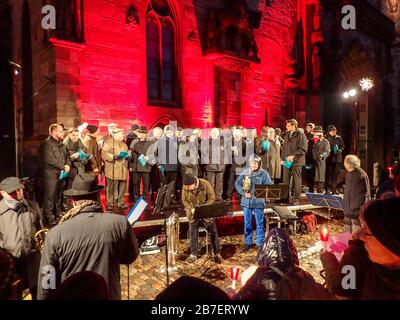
39,237
246,184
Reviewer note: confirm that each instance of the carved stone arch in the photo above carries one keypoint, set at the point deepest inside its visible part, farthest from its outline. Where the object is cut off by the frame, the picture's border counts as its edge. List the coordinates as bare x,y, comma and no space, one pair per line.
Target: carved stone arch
162,122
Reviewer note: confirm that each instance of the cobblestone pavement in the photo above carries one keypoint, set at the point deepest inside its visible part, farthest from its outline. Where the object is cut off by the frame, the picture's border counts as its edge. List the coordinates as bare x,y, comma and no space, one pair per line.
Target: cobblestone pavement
146,278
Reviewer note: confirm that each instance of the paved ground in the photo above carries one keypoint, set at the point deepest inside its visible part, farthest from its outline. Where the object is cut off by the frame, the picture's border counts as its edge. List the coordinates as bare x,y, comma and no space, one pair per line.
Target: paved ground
146,278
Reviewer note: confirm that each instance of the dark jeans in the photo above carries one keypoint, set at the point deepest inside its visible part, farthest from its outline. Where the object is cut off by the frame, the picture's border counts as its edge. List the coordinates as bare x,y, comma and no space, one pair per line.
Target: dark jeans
310,174
145,176
194,235
115,192
216,179
52,196
171,176
296,173
231,185
332,175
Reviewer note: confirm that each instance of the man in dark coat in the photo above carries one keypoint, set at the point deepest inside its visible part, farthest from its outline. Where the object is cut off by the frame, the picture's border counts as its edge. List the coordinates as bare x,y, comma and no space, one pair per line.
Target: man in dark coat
19,221
238,162
334,161
55,161
356,192
188,155
76,151
167,156
294,150
141,163
320,150
132,135
214,162
86,239
309,171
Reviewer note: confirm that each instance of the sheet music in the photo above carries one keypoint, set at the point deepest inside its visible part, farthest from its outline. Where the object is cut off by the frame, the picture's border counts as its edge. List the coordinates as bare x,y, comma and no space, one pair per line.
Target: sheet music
136,211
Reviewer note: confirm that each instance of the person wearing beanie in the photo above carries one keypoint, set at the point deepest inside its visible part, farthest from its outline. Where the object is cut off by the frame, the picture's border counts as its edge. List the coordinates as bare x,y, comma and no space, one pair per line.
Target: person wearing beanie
356,192
320,151
245,185
93,166
197,192
334,161
55,161
374,253
294,150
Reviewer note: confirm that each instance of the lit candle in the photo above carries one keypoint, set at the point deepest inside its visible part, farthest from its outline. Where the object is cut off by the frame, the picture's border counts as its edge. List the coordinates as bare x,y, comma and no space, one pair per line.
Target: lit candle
234,276
324,235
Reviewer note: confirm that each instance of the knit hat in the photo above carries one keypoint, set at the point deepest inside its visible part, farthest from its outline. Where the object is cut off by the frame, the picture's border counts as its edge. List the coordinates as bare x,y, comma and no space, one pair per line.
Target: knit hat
254,157
331,128
142,129
311,125
383,219
11,184
189,179
318,129
91,128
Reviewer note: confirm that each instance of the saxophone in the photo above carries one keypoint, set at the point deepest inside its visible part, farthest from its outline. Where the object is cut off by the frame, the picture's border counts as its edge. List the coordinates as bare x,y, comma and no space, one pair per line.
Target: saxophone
39,237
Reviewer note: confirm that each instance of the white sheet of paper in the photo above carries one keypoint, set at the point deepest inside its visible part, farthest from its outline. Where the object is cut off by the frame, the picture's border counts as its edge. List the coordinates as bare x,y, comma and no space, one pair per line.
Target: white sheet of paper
136,211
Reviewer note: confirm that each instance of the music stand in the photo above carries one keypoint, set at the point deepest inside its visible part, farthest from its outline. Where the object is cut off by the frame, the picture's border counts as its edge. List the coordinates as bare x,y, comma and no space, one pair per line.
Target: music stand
279,192
329,201
207,211
162,201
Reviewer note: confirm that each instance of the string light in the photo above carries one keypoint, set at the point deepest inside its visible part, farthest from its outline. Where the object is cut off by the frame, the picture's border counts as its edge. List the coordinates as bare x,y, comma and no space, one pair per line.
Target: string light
366,84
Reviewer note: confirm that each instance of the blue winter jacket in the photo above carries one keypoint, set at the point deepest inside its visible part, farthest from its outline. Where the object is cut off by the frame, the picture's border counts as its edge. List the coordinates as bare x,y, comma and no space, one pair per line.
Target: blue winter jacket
260,176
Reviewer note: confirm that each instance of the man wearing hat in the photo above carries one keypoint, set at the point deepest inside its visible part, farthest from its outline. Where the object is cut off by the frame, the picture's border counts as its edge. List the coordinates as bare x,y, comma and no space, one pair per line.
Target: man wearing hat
55,166
93,166
115,156
334,161
197,192
143,152
374,254
86,239
245,185
19,221
320,151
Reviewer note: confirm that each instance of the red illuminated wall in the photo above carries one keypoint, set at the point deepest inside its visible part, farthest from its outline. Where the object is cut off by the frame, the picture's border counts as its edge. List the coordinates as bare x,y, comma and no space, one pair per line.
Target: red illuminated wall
111,70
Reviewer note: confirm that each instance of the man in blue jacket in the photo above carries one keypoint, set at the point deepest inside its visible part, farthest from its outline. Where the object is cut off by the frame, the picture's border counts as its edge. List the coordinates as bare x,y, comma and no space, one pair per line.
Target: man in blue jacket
245,185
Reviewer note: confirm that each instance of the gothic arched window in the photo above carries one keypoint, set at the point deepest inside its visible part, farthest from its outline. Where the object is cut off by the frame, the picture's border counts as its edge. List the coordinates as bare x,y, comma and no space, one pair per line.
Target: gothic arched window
161,54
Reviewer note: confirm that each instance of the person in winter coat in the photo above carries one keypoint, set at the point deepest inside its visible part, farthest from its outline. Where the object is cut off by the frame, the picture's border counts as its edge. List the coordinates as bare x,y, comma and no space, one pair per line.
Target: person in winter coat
262,147
74,146
143,154
86,239
278,276
356,192
197,192
293,155
188,155
155,175
214,159
373,254
320,150
116,169
238,162
245,185
334,161
19,221
93,166
167,156
55,160
274,156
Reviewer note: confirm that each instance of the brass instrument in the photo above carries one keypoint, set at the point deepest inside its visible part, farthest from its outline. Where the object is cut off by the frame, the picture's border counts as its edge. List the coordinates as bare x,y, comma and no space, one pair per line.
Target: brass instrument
246,184
173,240
39,237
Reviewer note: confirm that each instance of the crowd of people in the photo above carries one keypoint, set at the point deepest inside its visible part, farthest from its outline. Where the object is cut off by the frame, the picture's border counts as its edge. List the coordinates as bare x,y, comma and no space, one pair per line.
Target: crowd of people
87,246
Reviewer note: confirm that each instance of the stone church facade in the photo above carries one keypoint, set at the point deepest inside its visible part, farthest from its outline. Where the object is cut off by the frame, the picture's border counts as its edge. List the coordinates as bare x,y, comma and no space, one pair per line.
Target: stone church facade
201,63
